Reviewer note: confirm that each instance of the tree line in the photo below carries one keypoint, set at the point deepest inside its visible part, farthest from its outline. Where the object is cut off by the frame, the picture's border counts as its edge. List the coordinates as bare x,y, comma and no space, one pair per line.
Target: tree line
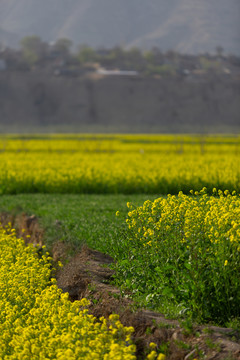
35,52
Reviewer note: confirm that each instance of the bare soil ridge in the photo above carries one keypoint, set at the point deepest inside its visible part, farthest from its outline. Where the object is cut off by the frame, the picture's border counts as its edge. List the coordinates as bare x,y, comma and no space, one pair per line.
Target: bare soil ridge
86,274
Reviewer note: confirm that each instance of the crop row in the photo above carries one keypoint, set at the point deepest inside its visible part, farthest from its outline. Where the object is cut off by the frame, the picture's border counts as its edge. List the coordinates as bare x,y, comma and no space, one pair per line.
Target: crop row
120,143
181,255
37,321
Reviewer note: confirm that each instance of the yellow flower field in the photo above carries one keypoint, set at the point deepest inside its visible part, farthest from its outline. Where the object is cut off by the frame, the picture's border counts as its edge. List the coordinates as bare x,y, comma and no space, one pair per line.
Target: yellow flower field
179,254
118,164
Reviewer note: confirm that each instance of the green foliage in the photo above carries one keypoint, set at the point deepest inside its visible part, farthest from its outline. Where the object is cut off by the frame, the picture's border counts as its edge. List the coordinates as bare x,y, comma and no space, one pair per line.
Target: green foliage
63,46
76,219
164,70
32,47
182,256
209,65
86,54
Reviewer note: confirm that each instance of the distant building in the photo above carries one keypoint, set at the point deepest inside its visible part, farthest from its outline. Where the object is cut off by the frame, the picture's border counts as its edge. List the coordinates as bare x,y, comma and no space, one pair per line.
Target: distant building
102,71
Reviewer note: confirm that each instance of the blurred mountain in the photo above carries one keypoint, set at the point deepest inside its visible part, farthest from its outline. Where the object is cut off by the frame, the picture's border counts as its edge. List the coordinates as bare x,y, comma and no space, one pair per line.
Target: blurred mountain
8,38
190,26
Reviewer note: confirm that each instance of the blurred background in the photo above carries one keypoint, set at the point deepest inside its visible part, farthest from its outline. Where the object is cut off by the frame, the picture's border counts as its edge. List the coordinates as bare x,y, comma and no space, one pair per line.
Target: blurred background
129,66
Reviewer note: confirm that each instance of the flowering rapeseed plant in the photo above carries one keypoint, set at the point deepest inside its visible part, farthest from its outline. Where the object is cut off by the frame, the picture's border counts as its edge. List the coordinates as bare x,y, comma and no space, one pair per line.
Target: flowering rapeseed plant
37,321
185,250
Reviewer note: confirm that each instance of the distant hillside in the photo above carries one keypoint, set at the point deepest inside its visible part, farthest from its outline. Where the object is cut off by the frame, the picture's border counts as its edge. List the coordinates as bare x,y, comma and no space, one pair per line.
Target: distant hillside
184,25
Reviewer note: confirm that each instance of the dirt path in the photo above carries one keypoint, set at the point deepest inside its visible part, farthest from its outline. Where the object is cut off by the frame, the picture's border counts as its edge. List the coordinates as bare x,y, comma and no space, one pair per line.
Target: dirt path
86,274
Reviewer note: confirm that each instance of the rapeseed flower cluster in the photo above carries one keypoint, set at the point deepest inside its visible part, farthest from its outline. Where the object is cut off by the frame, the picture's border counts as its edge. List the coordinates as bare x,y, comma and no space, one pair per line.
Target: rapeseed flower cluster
190,248
37,320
